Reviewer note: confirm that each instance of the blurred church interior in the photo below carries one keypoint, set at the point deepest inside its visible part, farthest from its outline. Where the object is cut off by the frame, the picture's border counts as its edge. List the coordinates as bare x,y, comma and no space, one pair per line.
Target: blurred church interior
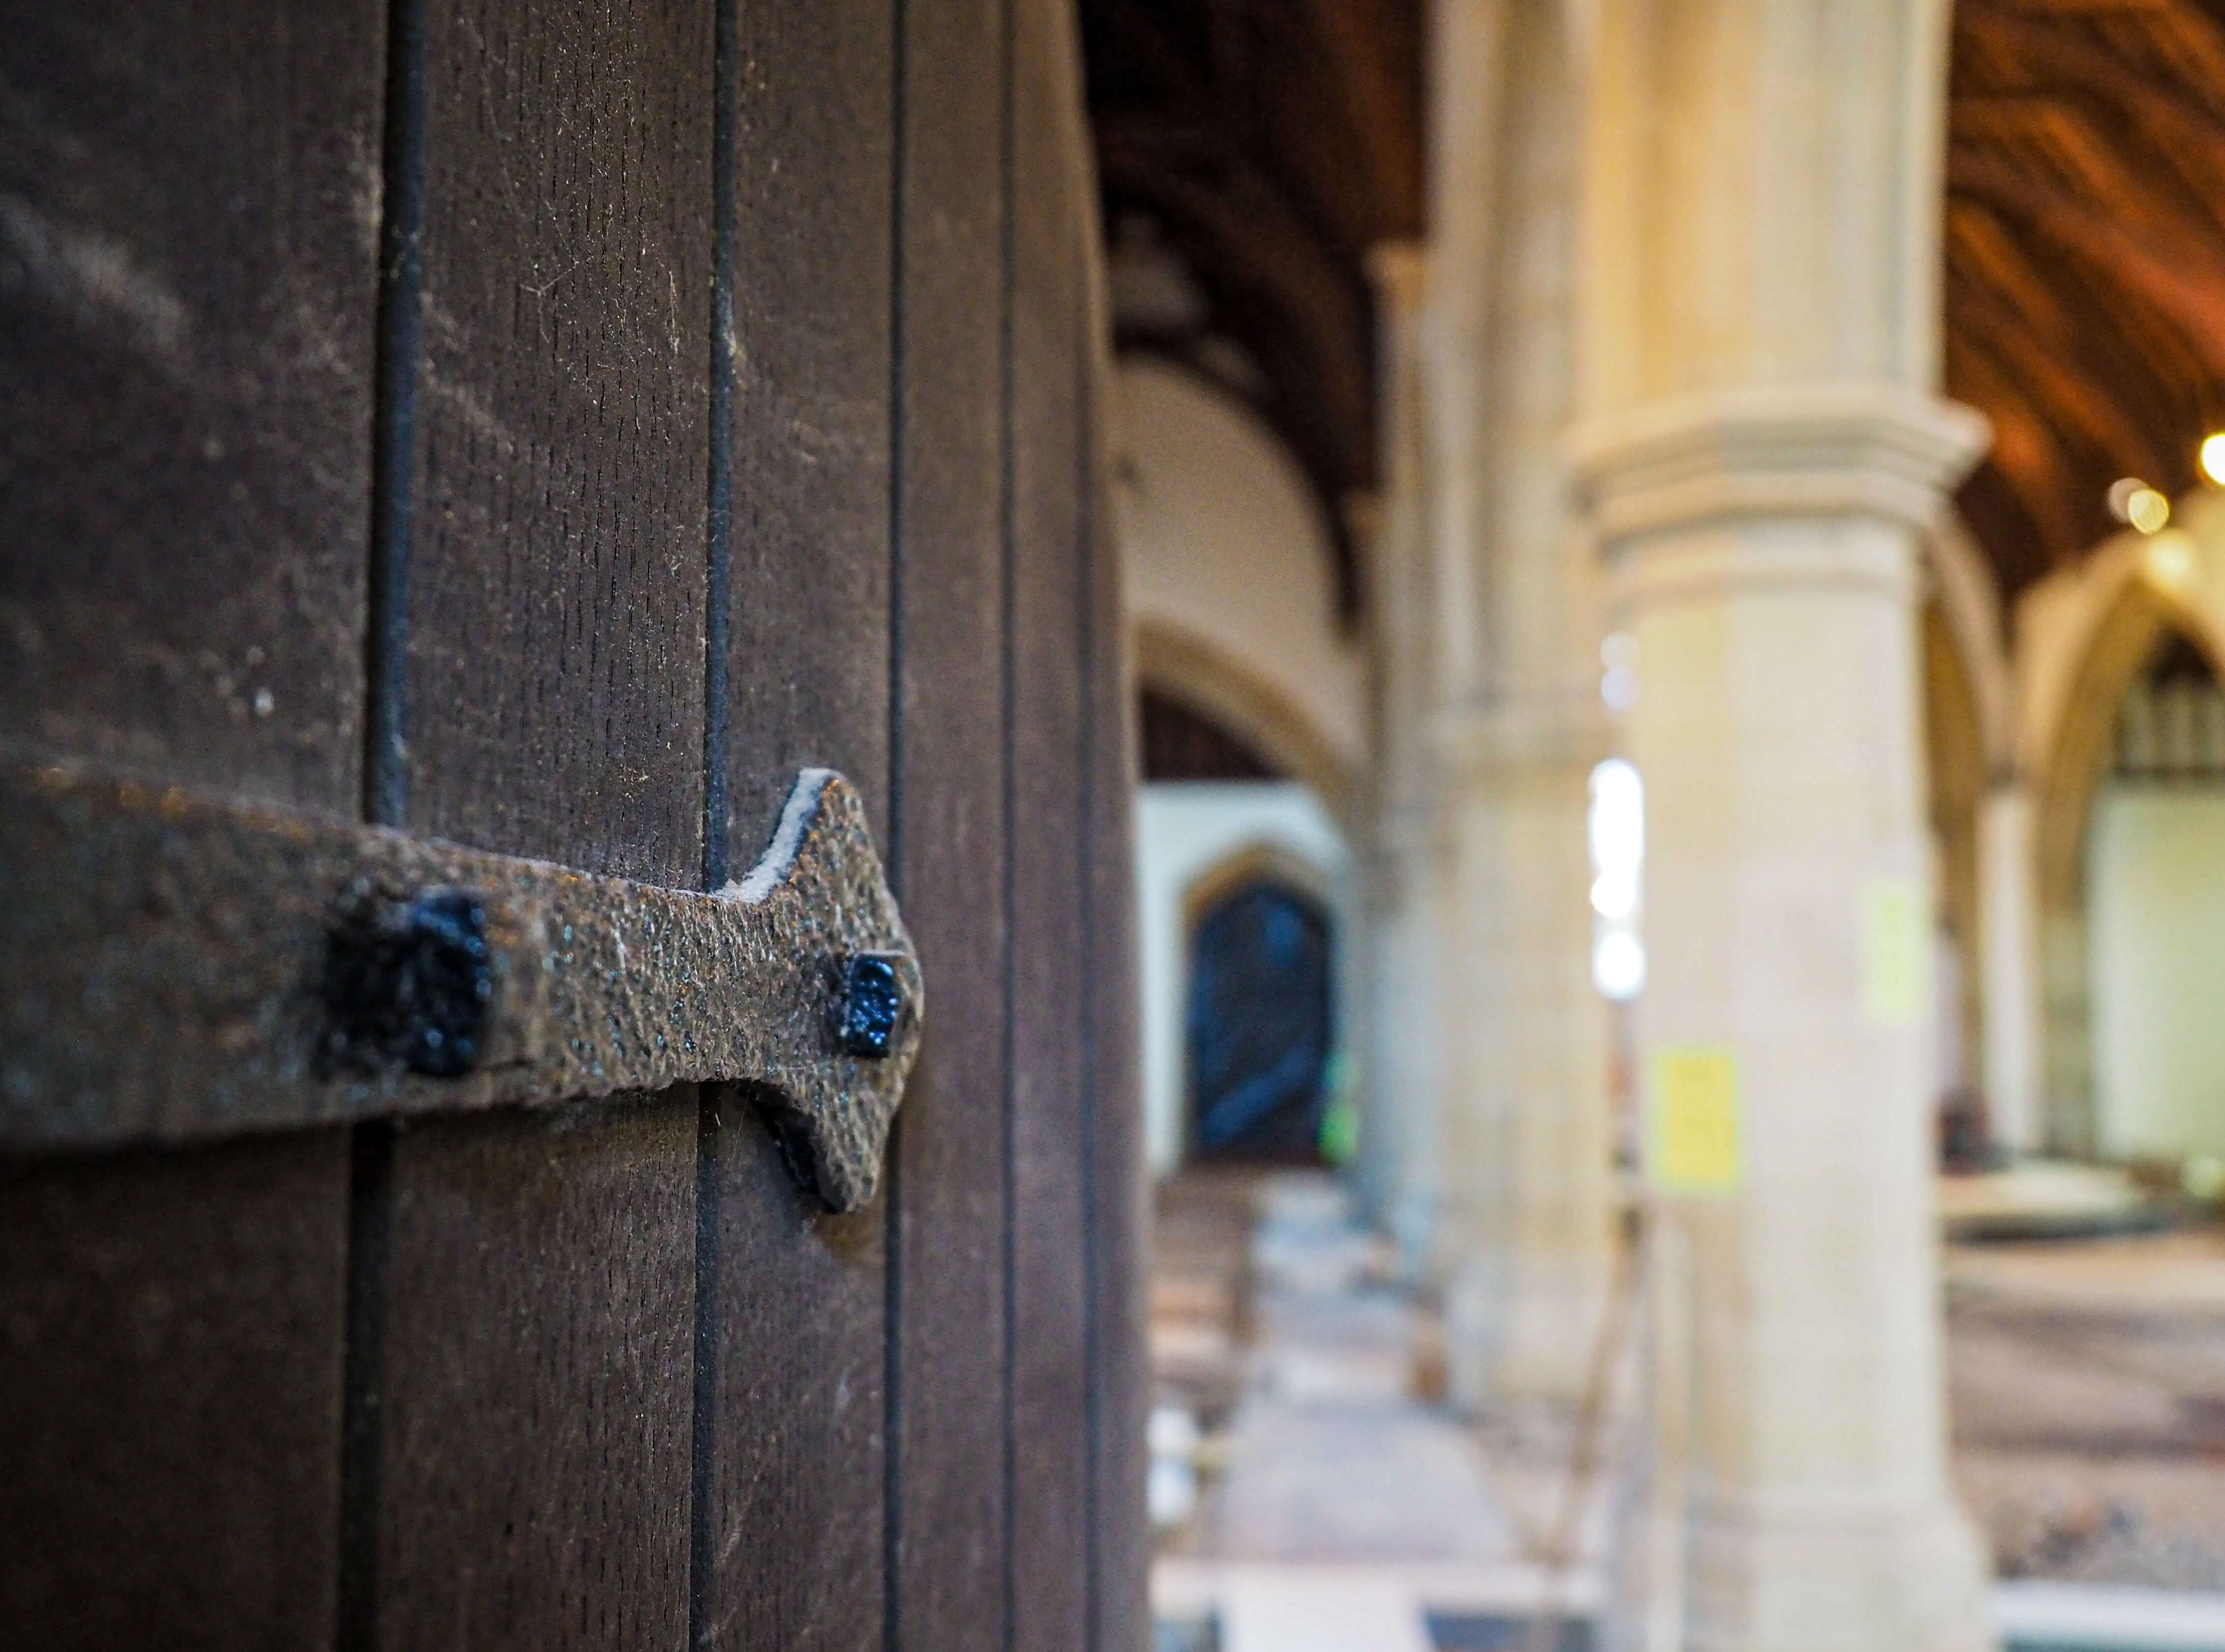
1675,565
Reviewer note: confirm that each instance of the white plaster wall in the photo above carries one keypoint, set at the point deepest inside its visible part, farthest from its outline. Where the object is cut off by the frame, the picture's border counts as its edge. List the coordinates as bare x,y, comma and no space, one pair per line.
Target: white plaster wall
2157,861
1225,548
1185,831
2056,619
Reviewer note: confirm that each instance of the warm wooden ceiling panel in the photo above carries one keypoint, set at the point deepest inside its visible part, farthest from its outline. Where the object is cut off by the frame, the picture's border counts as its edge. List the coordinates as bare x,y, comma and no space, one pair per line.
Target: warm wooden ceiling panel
1259,147
2085,255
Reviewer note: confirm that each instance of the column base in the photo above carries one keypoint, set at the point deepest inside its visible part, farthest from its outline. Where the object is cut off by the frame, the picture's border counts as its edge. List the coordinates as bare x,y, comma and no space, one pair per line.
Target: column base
1522,1330
1773,1574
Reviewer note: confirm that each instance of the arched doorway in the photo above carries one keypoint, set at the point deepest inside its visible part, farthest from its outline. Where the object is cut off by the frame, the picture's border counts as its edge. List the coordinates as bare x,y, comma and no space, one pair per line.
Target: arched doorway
1259,1023
2136,739
2155,901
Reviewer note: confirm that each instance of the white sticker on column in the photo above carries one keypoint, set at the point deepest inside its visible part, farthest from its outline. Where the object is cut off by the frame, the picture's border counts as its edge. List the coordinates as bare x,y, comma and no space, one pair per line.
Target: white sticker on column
1895,951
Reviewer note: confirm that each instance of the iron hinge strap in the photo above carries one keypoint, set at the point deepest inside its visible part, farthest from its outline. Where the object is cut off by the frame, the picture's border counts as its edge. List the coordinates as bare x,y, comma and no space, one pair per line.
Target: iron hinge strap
177,967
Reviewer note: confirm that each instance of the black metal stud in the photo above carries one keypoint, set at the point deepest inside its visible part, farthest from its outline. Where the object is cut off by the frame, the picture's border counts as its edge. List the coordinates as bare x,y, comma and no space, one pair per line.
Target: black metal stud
872,1004
410,982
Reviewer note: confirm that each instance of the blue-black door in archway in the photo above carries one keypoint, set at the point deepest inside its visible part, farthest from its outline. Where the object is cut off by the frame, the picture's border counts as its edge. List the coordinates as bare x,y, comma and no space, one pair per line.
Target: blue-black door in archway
1258,1022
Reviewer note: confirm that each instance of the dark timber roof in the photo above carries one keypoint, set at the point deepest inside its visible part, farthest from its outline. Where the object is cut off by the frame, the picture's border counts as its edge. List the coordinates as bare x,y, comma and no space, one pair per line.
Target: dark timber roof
2085,259
1252,152
1256,150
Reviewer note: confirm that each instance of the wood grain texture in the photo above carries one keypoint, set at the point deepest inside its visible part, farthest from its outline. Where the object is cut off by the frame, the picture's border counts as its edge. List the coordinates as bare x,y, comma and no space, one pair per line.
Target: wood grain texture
1050,1376
556,666
187,225
169,1397
947,1214
188,200
795,1320
813,169
534,1277
536,1408
2084,262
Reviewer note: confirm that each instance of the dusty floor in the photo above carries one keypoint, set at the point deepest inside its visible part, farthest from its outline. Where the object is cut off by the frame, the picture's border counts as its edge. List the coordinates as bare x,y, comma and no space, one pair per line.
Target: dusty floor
1335,1503
1308,1468
2087,1394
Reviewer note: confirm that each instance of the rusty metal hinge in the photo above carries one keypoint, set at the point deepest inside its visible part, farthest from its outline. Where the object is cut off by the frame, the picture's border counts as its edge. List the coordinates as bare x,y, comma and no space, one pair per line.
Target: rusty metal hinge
175,967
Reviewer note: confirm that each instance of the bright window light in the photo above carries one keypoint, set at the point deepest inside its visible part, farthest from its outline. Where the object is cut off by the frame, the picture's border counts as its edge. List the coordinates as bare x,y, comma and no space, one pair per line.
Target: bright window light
1618,819
2213,457
1615,896
1619,965
1617,830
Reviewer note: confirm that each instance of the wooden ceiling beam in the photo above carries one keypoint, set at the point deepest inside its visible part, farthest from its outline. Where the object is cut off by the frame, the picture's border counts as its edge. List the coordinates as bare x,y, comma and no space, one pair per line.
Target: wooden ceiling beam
1383,101
1252,253
2194,298
2056,357
2031,460
2039,44
2067,146
1134,27
2066,397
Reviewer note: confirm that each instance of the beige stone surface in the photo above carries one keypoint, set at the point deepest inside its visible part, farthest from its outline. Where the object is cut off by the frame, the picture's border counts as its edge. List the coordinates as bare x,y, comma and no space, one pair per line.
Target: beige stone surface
1760,458
1521,1128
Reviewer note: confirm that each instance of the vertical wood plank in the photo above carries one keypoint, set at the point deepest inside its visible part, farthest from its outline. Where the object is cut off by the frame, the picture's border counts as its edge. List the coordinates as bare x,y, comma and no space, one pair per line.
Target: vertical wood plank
188,228
795,1319
189,211
949,1299
1050,1376
813,175
556,643
169,1397
531,1276
1119,1190
534,1409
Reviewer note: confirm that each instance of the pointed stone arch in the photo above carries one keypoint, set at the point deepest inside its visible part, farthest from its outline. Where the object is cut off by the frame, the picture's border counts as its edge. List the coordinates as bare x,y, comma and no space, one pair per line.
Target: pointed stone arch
2133,611
1212,681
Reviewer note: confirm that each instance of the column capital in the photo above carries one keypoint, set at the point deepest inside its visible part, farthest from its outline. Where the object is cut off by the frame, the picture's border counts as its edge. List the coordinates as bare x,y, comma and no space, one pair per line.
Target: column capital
1528,731
1873,450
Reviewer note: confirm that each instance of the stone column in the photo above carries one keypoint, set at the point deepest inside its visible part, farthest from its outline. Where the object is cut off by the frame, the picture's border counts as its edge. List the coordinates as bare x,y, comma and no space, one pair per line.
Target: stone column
1400,867
1760,453
1763,548
2009,953
1532,1138
1528,1142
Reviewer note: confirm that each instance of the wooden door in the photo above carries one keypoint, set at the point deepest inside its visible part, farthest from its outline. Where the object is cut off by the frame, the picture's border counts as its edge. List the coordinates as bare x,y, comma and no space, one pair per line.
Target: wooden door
547,427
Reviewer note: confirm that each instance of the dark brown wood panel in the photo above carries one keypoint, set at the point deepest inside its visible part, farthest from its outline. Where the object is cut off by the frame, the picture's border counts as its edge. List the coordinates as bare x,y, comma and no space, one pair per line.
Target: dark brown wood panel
947,1220
535,1411
2084,254
187,280
814,172
170,1386
532,1278
555,661
1118,1184
188,209
601,1375
1050,1385
795,1319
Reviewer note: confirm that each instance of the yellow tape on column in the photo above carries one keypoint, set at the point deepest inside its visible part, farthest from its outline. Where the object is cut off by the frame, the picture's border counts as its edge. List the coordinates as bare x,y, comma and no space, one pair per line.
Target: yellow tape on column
1896,951
1693,1138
